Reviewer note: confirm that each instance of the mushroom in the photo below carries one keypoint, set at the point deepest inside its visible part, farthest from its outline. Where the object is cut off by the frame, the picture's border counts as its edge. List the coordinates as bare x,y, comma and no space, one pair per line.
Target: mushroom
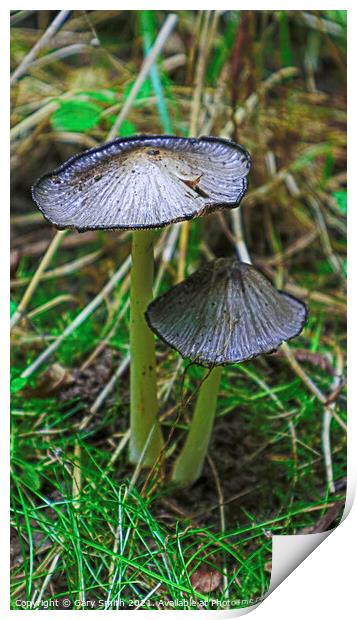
224,313
141,183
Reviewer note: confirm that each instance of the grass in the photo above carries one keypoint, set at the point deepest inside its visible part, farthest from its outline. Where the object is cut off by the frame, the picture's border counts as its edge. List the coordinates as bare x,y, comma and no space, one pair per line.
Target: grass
86,527
133,555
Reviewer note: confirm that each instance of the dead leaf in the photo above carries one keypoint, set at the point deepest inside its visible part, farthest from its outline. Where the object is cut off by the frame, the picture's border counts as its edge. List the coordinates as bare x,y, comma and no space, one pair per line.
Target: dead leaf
205,579
52,380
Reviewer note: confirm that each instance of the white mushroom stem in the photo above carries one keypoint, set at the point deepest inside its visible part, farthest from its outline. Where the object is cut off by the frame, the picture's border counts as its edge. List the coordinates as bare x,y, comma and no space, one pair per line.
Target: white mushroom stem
188,465
143,386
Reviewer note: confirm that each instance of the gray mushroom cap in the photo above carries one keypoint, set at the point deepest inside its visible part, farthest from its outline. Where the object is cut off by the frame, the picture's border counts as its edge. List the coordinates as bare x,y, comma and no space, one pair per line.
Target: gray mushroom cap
225,312
143,182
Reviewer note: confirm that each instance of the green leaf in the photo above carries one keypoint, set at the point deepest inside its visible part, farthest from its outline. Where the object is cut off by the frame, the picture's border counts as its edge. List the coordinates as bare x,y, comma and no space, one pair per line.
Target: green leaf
17,384
144,90
328,167
344,266
104,96
310,155
76,115
339,17
324,267
127,129
341,198
13,307
224,47
286,53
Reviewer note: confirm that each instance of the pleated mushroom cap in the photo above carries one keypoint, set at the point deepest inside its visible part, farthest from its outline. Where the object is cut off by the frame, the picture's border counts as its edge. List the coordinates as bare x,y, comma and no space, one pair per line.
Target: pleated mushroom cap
143,182
225,312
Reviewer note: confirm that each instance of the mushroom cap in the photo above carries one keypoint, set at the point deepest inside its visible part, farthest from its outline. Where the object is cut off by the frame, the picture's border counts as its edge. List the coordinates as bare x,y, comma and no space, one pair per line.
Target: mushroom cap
143,182
225,312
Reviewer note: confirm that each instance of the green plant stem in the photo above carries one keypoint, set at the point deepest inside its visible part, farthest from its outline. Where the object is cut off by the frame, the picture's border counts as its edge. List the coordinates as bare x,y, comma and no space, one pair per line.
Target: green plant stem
189,463
145,433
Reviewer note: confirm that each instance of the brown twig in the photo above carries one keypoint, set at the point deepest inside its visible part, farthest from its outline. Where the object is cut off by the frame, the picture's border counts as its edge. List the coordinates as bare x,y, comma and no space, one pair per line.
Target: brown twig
312,387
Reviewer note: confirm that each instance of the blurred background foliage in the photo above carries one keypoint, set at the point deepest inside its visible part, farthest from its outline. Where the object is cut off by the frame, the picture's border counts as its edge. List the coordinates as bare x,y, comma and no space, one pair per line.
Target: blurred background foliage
84,526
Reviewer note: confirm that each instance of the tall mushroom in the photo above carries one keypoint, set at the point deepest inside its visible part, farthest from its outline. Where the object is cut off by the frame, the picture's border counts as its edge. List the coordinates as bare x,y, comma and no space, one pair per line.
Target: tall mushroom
226,312
141,183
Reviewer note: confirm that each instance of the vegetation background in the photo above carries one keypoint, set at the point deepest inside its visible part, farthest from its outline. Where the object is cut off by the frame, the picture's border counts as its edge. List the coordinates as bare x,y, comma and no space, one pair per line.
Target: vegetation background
86,528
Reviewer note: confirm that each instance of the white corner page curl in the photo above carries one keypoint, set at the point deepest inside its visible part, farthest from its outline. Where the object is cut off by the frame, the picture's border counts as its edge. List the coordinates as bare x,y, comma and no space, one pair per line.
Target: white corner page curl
288,552
291,550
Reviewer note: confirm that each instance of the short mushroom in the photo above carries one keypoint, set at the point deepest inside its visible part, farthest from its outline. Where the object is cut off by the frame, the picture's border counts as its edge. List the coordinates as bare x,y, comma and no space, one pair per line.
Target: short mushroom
140,183
226,312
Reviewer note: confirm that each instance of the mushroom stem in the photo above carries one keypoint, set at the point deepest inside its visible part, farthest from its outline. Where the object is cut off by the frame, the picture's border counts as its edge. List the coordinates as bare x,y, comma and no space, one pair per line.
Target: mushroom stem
188,465
145,433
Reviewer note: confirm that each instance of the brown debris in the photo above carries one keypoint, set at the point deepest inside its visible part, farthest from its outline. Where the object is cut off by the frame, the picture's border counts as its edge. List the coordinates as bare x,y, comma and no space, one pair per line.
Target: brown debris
87,383
204,579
